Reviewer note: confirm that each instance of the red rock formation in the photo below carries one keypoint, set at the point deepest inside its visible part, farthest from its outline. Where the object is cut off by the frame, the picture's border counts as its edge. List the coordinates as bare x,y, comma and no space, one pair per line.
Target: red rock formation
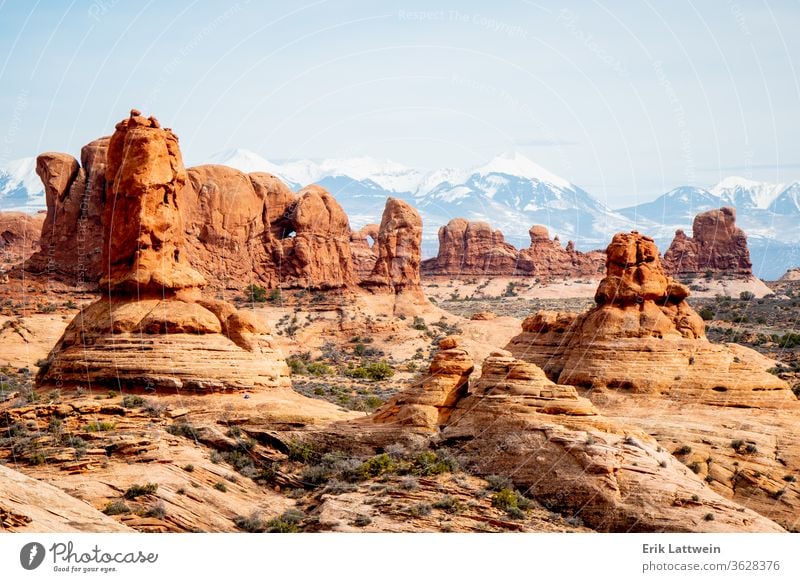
556,446
717,246
144,242
547,259
75,195
152,330
363,252
643,336
19,236
234,222
428,404
398,250
473,248
316,248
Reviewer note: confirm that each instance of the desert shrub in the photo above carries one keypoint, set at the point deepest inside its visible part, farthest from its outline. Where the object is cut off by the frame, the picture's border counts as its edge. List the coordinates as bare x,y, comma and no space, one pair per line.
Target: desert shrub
288,522
376,466
255,293
449,504
183,429
374,371
100,426
419,324
300,451
157,510
220,486
135,491
706,313
117,507
683,450
429,463
498,483
252,523
747,296
420,509
362,520
132,401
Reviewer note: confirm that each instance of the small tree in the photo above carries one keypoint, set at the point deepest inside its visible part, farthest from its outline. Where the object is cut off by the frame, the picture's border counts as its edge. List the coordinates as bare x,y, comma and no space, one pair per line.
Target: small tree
747,295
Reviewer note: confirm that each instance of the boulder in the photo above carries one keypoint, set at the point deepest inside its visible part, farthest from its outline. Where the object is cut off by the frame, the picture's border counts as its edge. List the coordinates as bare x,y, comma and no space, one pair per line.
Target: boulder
428,404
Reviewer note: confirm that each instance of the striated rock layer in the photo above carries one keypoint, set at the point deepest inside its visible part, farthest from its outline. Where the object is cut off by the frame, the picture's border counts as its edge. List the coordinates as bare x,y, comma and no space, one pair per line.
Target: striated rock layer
553,444
556,447
473,248
717,246
644,337
152,329
428,404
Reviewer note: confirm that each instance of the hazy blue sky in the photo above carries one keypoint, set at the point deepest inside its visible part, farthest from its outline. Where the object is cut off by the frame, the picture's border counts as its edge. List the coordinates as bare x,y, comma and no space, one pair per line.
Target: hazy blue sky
627,99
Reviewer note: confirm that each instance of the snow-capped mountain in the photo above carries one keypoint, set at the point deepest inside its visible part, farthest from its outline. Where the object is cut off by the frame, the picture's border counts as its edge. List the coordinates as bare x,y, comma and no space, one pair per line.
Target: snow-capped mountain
677,207
512,193
743,193
20,187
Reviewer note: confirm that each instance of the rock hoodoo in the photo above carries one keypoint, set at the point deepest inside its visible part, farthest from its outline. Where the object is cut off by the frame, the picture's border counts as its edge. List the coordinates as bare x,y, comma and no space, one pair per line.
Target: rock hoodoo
397,251
315,250
473,248
717,246
152,329
75,194
363,252
644,337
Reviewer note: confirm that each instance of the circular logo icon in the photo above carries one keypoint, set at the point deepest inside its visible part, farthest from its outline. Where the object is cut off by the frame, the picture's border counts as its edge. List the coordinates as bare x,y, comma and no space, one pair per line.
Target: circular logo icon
31,555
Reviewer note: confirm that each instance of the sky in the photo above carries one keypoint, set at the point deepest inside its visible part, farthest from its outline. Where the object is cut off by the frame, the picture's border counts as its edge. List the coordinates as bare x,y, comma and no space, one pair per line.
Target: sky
626,99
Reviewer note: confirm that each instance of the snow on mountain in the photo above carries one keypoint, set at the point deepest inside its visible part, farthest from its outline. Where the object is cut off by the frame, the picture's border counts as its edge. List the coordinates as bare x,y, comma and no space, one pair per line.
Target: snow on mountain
431,180
515,164
20,186
675,209
744,193
788,201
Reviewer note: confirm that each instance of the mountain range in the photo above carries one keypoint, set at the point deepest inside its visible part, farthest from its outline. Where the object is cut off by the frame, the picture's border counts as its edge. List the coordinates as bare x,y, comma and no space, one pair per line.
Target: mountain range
510,192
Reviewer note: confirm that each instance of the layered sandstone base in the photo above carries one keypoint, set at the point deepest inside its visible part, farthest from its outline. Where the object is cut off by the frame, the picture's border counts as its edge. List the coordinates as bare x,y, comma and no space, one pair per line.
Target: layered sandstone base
166,344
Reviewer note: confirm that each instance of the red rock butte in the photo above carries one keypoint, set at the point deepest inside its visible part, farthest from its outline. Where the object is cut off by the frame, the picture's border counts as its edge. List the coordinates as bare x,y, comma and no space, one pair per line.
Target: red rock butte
474,248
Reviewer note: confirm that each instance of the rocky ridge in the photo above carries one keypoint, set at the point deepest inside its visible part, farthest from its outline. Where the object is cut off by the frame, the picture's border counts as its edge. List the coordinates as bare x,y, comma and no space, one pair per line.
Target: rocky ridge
474,248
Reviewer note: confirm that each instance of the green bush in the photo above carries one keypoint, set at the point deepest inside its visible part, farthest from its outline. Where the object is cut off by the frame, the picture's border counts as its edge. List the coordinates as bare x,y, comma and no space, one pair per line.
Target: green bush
255,293
135,491
100,426
376,466
706,313
747,295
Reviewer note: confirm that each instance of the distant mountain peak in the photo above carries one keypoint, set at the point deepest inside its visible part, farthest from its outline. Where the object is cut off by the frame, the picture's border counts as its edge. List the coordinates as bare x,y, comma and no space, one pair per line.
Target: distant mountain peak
516,164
